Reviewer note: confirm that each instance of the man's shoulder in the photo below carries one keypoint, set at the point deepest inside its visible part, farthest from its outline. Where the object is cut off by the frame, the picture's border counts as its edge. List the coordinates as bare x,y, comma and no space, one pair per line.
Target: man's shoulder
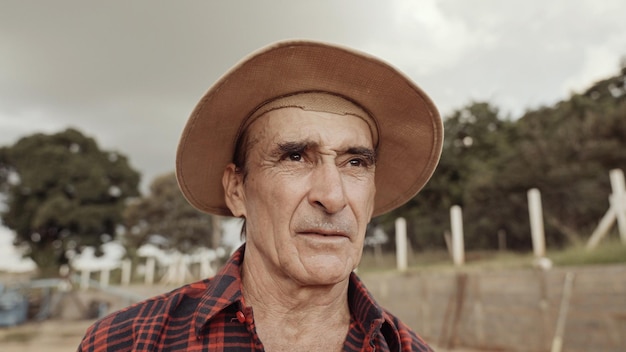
169,302
179,298
148,315
393,332
407,336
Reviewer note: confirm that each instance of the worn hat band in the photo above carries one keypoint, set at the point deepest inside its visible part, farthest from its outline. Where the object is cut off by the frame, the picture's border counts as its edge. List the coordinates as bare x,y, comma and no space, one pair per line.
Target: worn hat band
314,101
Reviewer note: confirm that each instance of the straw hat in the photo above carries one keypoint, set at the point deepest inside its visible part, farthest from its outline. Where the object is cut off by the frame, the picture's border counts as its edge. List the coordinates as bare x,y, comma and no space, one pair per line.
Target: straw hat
410,129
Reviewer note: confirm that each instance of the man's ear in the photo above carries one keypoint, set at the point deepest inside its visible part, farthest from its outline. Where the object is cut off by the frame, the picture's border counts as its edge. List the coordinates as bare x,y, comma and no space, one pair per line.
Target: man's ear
232,181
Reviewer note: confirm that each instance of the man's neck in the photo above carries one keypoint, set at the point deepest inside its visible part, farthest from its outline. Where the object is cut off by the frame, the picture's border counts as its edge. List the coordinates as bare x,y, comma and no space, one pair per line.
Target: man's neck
288,314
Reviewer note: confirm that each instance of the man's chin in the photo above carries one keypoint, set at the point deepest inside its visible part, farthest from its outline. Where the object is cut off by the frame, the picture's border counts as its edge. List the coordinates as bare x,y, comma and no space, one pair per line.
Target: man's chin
327,269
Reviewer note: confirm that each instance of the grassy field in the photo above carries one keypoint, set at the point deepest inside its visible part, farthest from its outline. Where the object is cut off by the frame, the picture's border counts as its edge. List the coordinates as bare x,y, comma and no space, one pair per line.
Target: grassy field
608,252
52,336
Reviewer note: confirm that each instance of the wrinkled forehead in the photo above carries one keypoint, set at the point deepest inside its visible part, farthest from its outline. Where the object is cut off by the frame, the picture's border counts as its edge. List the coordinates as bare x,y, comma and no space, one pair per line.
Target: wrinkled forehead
315,101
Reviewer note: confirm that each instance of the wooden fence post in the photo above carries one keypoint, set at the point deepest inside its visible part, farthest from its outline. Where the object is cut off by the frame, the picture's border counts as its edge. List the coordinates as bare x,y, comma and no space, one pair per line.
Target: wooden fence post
105,275
536,223
401,244
617,211
126,272
85,276
149,272
458,245
618,201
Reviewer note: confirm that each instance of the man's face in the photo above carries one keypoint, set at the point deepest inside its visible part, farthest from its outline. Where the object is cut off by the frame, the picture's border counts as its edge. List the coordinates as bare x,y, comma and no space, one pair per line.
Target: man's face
308,194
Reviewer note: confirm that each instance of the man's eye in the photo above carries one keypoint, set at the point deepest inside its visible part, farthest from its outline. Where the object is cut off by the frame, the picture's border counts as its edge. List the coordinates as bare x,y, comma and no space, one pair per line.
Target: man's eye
295,157
357,162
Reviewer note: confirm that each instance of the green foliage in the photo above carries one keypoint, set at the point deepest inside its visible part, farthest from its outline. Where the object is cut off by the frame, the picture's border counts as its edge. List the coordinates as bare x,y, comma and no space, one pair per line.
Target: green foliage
490,162
567,152
63,192
476,138
165,212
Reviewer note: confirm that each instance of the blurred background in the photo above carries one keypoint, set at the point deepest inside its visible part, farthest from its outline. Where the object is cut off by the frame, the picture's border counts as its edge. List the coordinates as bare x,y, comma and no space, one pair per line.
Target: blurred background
94,95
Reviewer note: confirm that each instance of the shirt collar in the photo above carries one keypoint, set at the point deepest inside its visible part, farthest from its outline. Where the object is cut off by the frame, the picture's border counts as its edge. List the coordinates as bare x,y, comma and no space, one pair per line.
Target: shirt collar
224,290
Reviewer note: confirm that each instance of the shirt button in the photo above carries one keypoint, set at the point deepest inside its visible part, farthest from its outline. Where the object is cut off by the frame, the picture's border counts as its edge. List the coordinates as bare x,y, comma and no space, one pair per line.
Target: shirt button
241,317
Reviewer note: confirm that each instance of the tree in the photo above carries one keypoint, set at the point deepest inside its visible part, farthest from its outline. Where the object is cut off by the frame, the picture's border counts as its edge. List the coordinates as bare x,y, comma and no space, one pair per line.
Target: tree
489,164
165,212
475,138
63,192
567,151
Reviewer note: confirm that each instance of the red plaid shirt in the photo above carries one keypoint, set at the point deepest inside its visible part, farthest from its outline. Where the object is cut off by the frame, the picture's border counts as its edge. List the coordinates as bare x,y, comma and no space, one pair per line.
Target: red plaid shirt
209,316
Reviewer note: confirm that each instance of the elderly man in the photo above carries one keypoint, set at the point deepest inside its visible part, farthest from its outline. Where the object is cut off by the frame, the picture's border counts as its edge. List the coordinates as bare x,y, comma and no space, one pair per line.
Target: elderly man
306,142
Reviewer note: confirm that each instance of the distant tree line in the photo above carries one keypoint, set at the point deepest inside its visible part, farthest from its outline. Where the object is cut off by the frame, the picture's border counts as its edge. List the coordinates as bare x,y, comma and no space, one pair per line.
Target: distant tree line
62,193
489,163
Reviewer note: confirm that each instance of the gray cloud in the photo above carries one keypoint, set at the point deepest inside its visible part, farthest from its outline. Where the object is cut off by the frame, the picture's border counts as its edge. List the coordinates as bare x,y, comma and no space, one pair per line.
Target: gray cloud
129,72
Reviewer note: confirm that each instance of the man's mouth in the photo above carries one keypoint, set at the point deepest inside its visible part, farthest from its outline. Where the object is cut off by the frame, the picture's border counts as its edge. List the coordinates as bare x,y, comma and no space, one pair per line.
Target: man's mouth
323,233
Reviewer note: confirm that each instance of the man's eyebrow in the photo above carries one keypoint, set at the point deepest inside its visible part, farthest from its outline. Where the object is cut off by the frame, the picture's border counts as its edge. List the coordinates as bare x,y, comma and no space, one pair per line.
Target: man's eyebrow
367,153
293,147
301,146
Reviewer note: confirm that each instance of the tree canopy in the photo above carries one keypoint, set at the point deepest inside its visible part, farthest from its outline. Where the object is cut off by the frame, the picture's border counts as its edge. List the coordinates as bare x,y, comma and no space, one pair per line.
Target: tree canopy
165,212
63,193
489,163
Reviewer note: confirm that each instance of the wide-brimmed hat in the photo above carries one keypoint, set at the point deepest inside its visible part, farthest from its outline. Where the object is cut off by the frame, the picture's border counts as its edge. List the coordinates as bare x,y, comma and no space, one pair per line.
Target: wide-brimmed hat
409,126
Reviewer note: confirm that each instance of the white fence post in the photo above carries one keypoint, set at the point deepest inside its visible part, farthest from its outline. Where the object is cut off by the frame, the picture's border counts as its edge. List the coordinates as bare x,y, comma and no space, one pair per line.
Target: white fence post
85,275
458,244
126,272
617,211
618,201
401,244
205,267
105,275
536,223
149,277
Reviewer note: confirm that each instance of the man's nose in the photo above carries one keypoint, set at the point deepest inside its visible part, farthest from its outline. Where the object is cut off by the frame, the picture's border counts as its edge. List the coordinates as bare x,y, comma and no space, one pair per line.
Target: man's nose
327,188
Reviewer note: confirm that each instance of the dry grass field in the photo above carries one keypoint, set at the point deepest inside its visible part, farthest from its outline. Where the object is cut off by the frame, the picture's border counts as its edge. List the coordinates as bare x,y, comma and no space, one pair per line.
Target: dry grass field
46,336
61,336
509,306
64,334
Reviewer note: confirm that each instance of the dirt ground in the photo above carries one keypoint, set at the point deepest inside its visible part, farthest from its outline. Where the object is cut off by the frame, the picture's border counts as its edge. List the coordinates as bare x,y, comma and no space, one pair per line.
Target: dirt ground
498,309
49,336
65,333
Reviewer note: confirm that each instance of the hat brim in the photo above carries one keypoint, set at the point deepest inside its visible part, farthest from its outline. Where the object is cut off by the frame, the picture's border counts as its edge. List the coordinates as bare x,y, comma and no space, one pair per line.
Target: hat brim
410,128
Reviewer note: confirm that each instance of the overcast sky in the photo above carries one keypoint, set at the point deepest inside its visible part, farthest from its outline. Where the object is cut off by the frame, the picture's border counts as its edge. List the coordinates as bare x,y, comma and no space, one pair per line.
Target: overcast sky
128,73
